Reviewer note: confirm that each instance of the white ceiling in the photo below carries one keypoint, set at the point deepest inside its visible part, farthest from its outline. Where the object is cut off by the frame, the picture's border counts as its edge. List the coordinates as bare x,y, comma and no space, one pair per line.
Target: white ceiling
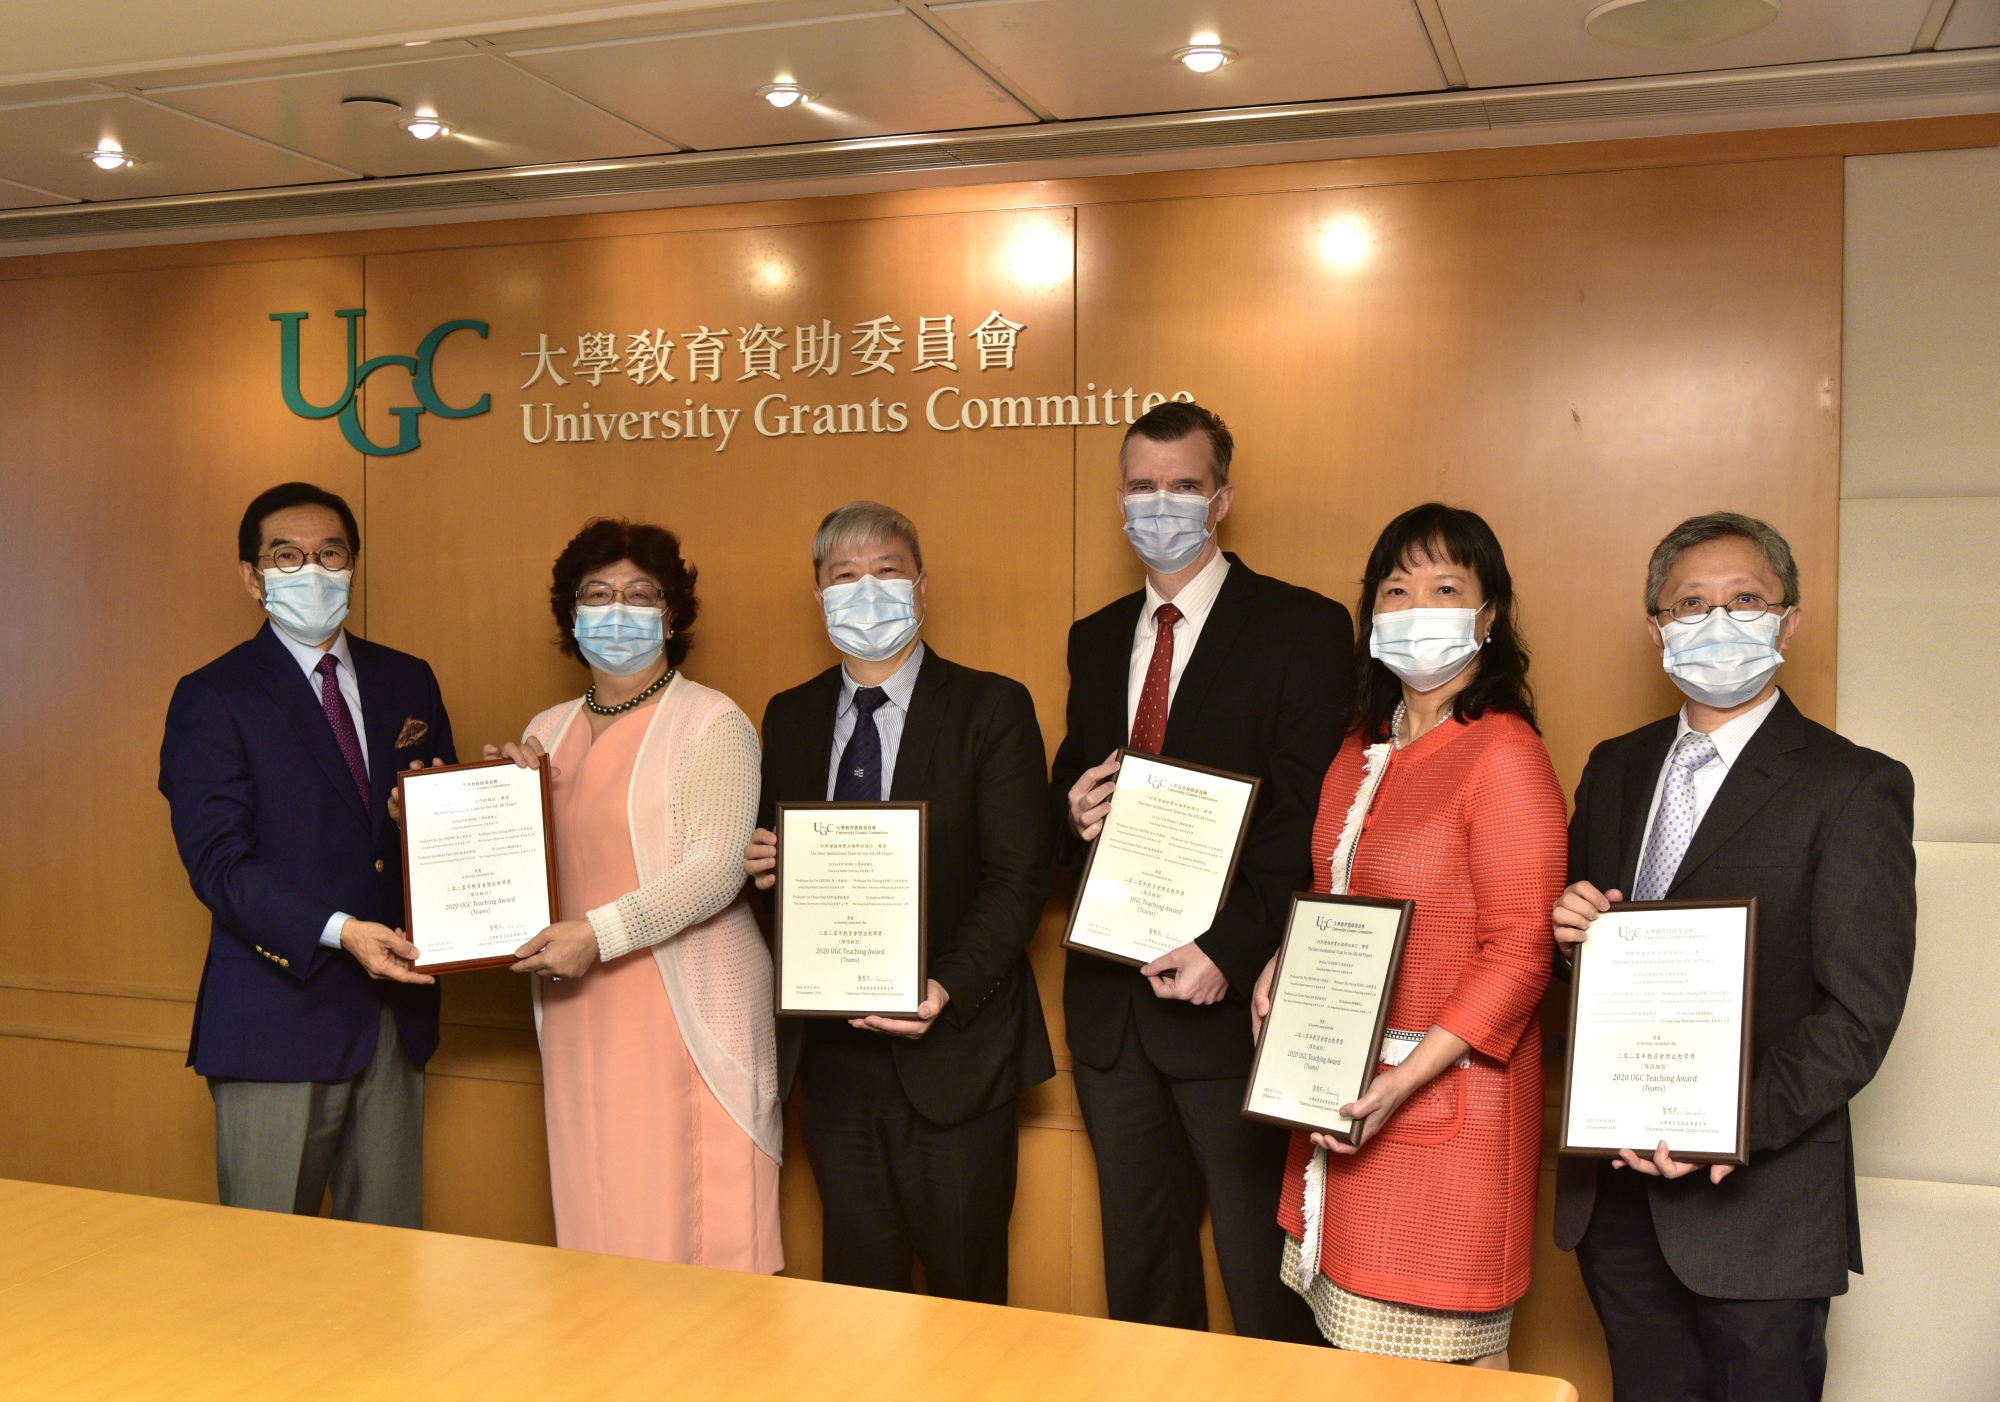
1104,58
219,95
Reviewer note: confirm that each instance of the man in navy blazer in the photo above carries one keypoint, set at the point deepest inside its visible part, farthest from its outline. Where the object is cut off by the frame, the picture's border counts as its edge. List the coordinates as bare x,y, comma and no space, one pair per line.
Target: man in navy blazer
311,1025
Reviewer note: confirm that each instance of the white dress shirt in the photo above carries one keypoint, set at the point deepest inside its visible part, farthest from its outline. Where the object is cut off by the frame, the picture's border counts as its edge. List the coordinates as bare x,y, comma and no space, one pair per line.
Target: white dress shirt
308,658
1195,601
890,717
1729,742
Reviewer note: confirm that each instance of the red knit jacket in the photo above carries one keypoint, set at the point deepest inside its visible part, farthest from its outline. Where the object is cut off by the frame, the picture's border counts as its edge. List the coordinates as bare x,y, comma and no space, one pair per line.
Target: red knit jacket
1439,1208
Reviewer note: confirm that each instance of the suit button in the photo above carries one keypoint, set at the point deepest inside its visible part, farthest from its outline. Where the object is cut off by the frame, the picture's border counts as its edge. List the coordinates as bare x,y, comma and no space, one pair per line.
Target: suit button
380,865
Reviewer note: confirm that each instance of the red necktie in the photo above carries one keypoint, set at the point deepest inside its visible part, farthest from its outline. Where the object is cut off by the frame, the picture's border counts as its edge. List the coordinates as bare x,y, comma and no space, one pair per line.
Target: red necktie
1149,722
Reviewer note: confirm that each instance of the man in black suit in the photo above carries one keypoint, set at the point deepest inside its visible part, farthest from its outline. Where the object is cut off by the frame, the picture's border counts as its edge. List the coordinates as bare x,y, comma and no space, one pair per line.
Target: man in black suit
1715,1284
910,1124
1218,665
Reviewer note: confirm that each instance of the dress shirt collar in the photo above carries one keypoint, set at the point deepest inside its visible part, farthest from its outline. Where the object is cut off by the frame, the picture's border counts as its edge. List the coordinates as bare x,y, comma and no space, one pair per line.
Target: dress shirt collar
901,685
1196,598
1731,738
308,657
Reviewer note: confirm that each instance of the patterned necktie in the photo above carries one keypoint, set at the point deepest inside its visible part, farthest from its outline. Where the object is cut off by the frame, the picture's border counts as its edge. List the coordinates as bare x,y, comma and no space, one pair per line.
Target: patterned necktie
342,721
1673,825
1149,722
860,779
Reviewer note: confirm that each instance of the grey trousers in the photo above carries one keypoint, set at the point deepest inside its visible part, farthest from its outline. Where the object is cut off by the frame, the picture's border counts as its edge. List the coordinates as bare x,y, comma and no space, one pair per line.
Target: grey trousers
279,1143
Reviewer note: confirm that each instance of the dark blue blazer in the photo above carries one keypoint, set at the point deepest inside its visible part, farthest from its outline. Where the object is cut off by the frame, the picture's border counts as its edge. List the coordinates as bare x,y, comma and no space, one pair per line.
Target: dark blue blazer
275,840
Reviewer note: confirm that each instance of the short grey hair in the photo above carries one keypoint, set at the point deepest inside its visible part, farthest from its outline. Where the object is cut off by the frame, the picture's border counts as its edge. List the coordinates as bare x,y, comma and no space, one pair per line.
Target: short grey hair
867,522
1720,525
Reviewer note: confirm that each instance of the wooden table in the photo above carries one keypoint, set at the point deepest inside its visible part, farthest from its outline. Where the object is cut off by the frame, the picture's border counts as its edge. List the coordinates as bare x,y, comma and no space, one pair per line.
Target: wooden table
105,1295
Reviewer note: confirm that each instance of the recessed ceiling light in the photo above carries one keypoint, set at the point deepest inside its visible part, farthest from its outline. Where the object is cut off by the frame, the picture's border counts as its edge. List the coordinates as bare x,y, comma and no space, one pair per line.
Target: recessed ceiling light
785,94
1677,24
426,125
1204,55
368,104
109,155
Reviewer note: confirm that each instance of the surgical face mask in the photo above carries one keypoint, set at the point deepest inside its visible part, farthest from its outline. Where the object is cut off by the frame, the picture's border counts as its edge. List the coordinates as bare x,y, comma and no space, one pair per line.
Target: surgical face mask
871,618
1167,529
1425,647
1722,661
620,639
310,603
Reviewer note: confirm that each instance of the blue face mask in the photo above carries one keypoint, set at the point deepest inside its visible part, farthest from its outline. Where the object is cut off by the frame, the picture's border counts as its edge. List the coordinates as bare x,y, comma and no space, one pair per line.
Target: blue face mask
1168,529
619,639
871,618
310,603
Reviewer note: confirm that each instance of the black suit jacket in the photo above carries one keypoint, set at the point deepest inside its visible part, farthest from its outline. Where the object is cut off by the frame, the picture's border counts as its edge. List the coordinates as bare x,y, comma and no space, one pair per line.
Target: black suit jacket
1264,693
972,750
1818,829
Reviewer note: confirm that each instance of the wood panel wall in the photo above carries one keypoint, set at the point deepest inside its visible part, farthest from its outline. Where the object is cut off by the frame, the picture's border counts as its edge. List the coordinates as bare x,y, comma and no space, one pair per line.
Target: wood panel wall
1585,344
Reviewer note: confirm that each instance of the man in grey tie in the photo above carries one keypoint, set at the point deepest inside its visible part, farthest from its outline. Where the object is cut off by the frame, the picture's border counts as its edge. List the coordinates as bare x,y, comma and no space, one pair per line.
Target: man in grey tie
1715,1283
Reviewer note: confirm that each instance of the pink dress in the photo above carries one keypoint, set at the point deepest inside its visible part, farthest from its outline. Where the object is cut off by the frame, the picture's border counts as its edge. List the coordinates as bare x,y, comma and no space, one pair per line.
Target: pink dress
643,1159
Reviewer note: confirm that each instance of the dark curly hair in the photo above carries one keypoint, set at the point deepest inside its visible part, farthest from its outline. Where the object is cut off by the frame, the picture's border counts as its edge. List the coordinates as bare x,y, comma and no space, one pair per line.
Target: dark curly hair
1438,532
654,549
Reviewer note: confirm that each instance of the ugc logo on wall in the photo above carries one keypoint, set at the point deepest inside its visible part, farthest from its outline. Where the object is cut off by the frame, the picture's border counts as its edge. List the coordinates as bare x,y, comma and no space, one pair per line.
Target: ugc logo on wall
421,368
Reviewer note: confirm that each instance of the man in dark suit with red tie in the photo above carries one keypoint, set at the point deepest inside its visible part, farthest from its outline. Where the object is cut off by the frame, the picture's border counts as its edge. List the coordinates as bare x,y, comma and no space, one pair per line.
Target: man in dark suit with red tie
1218,665
911,1123
1715,1282
278,763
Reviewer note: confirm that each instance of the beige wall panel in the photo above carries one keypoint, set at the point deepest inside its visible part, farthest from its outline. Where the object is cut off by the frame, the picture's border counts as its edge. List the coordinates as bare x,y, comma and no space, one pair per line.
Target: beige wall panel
467,529
96,1115
1038,1245
1921,415
486,1159
1555,1328
799,1211
1910,1122
1909,665
142,415
1584,360
1920,1323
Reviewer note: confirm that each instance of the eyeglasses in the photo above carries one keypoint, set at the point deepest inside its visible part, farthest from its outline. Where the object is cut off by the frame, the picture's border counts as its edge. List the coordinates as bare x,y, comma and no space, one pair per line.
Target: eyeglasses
1744,608
643,595
290,559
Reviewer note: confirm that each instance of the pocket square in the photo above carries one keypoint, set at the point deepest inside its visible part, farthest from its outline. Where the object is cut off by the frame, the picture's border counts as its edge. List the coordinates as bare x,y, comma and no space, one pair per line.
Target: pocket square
414,732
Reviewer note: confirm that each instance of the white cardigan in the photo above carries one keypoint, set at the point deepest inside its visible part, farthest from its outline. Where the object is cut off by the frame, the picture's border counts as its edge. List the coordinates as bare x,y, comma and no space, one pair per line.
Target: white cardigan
691,808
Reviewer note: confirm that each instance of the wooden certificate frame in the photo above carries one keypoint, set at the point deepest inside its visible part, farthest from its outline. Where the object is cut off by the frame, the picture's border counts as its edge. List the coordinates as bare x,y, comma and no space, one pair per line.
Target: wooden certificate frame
403,778
1745,1048
922,810
1393,971
1228,881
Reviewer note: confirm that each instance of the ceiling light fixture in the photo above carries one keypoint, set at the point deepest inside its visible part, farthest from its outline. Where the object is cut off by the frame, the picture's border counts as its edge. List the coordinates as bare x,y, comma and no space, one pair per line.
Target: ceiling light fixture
109,155
426,125
369,103
785,94
1677,24
1204,55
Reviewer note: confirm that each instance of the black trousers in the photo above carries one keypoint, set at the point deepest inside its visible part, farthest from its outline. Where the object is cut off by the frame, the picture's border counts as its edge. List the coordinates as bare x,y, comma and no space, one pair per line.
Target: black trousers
1669,1344
1158,1143
895,1184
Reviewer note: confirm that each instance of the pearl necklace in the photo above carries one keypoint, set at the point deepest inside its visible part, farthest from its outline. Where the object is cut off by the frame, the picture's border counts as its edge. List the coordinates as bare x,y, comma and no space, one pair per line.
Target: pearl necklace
590,697
1396,740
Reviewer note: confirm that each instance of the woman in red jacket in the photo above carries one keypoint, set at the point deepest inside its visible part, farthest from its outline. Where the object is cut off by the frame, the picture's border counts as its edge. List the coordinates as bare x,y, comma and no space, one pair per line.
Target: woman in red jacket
1418,1242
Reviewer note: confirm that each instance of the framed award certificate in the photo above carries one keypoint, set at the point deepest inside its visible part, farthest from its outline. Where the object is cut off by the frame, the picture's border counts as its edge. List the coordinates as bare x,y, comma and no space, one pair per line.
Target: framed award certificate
479,869
1162,865
850,930
1330,999
1659,1032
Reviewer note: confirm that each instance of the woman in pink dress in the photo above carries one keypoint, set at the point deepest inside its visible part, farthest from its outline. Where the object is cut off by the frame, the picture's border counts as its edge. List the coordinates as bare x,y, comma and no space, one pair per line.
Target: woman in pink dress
653,991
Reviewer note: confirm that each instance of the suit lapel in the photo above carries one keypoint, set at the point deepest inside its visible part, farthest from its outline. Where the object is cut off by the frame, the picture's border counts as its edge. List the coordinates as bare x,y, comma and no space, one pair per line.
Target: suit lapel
1642,776
1760,771
286,684
380,724
921,727
1225,620
816,759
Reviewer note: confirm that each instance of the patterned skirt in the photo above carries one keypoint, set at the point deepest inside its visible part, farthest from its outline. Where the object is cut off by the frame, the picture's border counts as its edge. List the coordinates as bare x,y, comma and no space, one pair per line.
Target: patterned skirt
1362,1325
